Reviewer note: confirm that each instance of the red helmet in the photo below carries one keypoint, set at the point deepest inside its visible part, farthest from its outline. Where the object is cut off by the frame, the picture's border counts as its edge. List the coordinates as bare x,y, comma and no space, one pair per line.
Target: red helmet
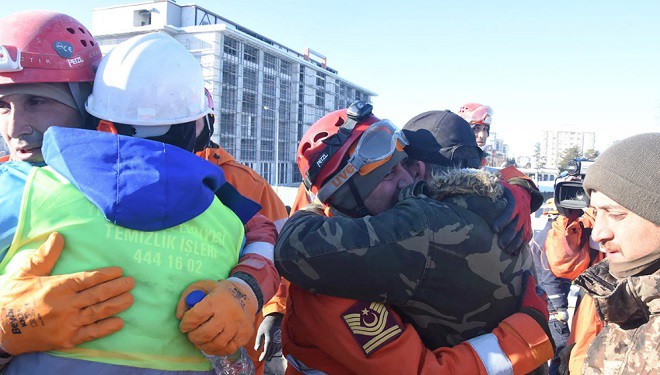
326,143
476,114
41,46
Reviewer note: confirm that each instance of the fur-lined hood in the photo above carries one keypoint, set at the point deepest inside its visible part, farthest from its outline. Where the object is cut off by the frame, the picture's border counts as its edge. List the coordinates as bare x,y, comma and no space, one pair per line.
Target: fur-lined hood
466,181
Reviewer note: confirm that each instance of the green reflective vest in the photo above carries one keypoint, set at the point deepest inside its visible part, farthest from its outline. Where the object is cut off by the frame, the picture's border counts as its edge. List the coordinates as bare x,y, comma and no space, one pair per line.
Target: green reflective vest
163,264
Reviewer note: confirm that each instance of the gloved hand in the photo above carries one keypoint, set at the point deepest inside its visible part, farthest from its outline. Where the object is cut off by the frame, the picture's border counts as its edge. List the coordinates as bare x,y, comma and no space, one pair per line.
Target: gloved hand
223,321
270,335
42,312
514,225
536,197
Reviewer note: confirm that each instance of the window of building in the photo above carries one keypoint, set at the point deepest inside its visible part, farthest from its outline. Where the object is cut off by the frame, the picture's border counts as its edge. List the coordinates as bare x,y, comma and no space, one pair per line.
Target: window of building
269,84
268,106
229,73
265,172
286,68
231,46
228,124
250,54
285,89
249,102
270,62
320,80
320,98
267,148
248,125
268,128
141,17
229,144
249,149
228,99
250,79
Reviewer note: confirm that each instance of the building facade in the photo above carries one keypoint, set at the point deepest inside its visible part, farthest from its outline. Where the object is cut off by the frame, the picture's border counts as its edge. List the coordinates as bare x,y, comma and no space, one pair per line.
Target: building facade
266,95
496,150
555,142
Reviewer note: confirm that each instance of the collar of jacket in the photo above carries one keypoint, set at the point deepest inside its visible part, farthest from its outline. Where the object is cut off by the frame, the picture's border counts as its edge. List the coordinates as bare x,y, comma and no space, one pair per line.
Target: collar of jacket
627,302
465,181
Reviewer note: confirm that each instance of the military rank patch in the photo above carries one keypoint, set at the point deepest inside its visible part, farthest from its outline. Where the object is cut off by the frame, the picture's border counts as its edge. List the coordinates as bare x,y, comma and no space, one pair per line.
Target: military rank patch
372,325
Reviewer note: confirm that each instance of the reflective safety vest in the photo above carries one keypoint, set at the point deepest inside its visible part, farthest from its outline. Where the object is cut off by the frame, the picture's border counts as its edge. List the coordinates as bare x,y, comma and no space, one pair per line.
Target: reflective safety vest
163,264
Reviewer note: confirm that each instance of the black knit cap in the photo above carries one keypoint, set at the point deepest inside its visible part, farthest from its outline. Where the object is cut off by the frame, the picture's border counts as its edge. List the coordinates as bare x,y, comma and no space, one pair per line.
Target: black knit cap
443,138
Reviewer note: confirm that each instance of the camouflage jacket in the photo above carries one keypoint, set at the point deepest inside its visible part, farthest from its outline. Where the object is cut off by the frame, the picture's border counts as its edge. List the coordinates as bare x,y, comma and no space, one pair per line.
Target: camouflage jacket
436,261
630,340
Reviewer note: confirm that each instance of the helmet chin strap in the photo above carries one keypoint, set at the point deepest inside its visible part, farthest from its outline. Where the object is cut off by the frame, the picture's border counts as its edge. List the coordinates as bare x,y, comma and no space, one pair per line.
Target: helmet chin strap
80,97
361,209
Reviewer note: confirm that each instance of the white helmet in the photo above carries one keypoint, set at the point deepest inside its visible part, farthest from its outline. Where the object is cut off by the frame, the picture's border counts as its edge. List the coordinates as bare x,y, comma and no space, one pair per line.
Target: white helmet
149,80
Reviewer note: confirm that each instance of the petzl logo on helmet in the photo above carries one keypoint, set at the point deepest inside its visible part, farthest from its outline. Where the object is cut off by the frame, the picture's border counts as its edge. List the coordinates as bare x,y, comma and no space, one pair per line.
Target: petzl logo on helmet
322,158
64,49
76,61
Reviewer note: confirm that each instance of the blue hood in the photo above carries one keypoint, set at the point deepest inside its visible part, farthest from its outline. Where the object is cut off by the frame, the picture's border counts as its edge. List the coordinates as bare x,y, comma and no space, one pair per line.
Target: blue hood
138,183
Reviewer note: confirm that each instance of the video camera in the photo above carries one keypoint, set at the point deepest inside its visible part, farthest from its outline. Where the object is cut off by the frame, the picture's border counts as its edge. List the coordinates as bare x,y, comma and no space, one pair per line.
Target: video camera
571,194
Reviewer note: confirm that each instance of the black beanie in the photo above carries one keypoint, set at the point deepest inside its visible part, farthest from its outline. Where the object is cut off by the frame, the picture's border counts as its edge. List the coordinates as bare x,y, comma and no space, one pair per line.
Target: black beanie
628,173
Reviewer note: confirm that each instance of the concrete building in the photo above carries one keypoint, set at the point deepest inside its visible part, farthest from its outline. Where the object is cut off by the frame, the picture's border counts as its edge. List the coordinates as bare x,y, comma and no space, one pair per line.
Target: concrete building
554,142
266,95
496,150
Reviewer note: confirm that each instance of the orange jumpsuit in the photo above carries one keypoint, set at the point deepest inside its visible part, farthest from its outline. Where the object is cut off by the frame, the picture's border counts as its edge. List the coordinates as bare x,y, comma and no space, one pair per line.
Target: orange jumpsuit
569,254
253,186
315,334
277,304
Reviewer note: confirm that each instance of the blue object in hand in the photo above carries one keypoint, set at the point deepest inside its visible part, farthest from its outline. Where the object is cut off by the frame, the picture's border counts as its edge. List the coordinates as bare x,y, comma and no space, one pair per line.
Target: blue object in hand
194,297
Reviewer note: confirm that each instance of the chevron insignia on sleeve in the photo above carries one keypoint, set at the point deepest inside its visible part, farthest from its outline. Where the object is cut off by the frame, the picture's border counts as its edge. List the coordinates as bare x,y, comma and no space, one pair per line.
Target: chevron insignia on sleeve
372,325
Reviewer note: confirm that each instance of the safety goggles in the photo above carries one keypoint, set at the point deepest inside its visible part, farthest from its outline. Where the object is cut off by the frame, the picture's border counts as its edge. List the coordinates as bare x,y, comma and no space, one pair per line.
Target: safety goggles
375,148
482,115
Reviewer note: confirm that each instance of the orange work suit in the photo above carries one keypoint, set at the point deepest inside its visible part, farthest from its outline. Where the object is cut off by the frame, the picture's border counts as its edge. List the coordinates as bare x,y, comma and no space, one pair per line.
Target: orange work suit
569,254
251,185
277,304
316,333
585,327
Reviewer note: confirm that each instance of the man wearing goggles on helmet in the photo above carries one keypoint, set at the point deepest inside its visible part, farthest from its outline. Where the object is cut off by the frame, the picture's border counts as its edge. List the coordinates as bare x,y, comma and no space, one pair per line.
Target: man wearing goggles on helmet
382,241
50,299
479,117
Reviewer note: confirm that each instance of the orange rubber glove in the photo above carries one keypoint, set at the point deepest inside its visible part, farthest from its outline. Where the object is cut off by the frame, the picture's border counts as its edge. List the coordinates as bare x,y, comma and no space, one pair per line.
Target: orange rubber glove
223,321
42,312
